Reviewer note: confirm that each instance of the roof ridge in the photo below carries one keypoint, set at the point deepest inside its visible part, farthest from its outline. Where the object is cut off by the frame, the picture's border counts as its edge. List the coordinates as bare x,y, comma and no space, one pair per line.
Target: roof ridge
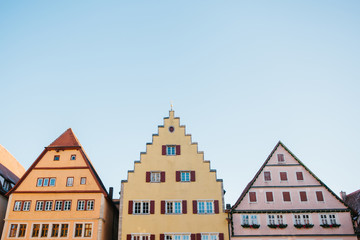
67,139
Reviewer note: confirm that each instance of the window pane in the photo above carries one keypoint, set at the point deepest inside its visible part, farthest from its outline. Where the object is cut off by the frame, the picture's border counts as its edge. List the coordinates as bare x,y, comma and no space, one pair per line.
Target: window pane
52,182
39,182
46,182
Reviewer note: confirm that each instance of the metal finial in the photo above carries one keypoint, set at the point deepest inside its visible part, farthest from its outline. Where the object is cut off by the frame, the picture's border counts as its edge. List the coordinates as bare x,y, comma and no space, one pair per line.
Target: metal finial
171,105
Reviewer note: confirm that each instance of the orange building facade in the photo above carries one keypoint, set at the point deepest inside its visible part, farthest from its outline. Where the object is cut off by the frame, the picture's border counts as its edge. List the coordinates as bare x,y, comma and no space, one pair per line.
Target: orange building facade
60,196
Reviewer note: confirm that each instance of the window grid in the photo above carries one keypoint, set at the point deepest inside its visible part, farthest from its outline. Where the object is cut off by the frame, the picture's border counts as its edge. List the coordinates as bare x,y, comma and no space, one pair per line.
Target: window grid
205,207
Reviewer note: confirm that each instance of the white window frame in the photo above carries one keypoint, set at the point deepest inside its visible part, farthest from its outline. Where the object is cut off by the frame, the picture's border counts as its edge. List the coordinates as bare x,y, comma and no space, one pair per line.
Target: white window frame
209,236
58,203
170,150
265,178
155,177
302,219
185,176
26,206
208,206
17,206
140,236
67,205
302,175
287,176
142,204
81,205
70,182
256,196
82,180
48,205
277,158
331,218
177,236
39,206
83,229
275,219
90,205
170,207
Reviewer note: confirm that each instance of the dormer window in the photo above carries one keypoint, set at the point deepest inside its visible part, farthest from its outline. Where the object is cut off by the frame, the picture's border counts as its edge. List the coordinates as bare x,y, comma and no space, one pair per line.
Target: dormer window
56,157
73,157
281,158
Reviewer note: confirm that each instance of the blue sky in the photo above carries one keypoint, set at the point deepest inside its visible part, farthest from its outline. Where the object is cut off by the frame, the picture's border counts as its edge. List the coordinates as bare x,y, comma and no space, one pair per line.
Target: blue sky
242,75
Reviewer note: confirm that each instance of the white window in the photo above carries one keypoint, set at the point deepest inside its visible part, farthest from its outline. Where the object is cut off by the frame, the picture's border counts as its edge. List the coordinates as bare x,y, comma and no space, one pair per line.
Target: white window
177,236
48,205
39,206
58,205
81,205
245,219
205,207
185,176
254,220
275,219
173,207
209,236
83,180
70,182
67,205
171,150
155,177
26,206
328,219
141,207
90,205
332,219
140,236
17,206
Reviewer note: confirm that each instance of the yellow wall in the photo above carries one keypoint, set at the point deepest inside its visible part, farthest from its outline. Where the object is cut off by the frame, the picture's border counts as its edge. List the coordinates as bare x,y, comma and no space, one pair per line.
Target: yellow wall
206,187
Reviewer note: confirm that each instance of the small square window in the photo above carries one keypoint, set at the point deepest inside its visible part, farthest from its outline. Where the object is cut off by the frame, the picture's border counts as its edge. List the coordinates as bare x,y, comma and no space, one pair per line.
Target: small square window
185,176
267,176
73,157
70,182
83,180
281,158
170,150
56,157
155,177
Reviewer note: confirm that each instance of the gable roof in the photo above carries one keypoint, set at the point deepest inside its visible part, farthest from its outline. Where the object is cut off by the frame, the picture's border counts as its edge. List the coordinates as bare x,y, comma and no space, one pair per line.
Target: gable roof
10,162
67,140
250,184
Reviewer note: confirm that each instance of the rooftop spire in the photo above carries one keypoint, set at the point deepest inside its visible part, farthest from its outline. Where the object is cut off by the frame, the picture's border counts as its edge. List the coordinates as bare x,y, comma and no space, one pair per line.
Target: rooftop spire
171,106
67,139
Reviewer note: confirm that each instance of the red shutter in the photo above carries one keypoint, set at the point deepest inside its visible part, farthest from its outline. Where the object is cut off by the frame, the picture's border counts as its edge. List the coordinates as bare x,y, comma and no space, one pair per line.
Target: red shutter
221,236
184,206
162,207
281,158
193,236
198,236
162,236
178,176
283,176
252,196
299,176
286,197
152,207
192,176
128,237
319,196
130,207
194,206
269,197
216,206
163,149
177,149
267,176
152,237
303,196
148,174
162,177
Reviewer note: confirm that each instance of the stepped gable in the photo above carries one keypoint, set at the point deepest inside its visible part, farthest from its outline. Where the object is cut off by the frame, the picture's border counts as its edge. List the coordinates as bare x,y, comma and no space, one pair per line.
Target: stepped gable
10,162
65,140
251,183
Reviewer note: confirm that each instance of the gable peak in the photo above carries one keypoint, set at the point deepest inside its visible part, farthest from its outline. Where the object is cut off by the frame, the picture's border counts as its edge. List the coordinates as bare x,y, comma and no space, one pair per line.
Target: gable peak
67,139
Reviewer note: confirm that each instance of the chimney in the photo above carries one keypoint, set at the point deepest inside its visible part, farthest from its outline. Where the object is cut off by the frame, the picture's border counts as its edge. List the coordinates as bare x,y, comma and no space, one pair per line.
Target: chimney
228,206
111,190
343,195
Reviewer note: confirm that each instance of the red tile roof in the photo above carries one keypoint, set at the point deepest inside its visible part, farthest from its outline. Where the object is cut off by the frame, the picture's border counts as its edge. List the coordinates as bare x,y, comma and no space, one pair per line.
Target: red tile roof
67,139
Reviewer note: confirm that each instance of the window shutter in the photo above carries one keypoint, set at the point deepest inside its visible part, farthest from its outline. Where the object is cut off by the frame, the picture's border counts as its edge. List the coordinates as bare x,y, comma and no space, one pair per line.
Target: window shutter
194,206
216,206
193,236
184,206
177,149
152,237
152,207
162,207
178,176
281,158
163,149
148,174
162,236
162,177
303,196
198,236
299,176
269,197
286,196
128,237
267,176
130,207
319,196
283,176
221,236
192,176
252,196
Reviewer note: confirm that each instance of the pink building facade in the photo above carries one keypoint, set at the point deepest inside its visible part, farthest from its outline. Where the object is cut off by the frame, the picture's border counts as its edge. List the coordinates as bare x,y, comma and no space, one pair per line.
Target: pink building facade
285,200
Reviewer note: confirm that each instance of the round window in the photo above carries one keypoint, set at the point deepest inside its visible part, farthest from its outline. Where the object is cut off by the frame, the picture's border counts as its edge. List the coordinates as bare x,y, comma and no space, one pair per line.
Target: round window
171,129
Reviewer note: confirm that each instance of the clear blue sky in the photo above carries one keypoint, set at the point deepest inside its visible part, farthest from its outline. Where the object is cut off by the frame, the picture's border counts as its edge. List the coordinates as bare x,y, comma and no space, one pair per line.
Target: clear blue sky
242,75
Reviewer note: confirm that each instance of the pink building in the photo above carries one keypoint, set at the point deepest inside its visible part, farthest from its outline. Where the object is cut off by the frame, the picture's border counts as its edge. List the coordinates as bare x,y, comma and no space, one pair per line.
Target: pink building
285,200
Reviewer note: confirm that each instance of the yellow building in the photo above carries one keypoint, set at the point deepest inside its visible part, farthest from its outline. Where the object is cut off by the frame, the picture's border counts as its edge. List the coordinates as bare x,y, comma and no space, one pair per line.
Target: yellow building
60,196
172,194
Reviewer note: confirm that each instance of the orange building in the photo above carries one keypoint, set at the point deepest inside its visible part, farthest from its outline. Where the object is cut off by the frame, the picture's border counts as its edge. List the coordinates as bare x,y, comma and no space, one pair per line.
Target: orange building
60,196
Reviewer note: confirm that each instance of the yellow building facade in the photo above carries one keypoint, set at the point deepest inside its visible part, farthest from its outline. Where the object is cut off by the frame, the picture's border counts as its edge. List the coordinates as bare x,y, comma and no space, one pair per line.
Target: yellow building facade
60,197
172,194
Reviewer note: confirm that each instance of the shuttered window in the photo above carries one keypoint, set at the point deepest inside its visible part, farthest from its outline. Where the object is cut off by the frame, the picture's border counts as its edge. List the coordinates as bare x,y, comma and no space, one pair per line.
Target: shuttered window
267,176
319,196
283,176
269,197
252,196
170,150
281,158
299,176
185,176
303,196
286,197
